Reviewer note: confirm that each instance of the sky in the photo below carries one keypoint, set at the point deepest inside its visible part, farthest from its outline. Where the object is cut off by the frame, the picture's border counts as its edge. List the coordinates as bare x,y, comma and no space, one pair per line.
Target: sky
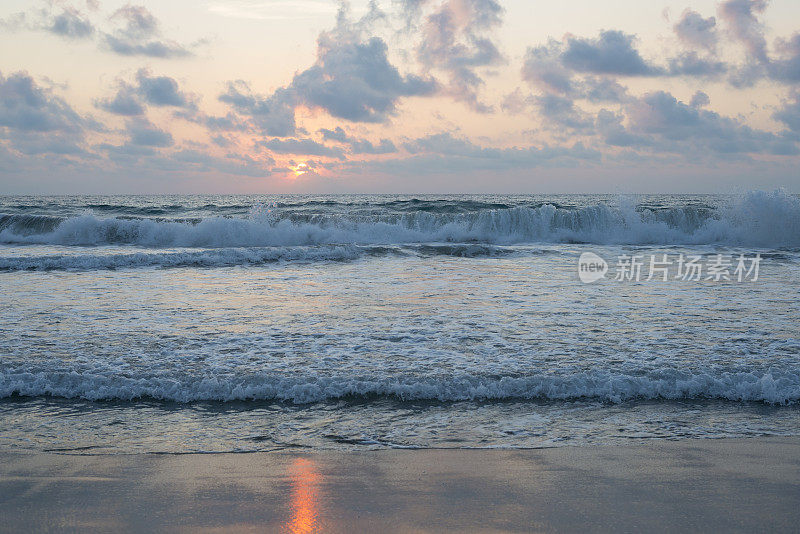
399,96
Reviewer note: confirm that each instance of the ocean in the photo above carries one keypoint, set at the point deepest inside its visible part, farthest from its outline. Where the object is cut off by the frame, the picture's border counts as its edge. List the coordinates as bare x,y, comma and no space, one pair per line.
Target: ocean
175,324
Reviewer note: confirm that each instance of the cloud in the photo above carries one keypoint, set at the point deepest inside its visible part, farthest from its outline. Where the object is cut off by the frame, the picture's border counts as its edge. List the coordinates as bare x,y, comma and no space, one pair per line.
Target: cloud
273,115
694,31
28,107
699,100
69,22
609,126
789,114
351,79
456,39
690,64
445,153
741,17
362,146
356,145
603,89
131,99
561,112
185,160
34,121
307,147
144,134
140,35
125,102
233,164
685,128
161,90
611,53
544,69
787,67
72,24
354,80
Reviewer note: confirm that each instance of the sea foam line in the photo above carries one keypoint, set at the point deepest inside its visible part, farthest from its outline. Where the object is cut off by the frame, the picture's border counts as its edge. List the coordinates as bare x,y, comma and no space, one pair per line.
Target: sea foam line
667,384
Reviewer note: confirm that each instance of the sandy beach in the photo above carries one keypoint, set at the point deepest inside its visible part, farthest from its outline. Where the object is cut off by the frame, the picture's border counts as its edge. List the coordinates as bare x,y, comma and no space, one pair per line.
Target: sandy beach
692,485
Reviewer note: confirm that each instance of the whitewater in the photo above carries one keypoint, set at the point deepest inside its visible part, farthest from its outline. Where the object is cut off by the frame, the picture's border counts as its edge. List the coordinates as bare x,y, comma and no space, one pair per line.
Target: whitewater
238,323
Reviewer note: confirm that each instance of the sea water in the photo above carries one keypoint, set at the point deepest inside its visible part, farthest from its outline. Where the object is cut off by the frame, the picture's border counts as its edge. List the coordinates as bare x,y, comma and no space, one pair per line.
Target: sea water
244,323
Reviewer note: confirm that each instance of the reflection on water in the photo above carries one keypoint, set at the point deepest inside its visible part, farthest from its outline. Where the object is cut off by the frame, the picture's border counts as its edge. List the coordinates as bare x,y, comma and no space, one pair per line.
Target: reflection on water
305,497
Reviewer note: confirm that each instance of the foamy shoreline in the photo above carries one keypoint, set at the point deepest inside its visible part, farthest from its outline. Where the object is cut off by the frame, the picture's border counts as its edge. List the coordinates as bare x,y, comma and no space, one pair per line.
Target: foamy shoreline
690,485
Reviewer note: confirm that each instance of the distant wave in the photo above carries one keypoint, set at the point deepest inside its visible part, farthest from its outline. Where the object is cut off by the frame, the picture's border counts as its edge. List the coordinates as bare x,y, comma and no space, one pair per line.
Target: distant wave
665,384
756,219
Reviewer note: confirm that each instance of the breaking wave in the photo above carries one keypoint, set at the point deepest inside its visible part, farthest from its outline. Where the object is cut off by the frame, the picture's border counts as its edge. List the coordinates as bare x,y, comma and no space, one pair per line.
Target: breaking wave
762,219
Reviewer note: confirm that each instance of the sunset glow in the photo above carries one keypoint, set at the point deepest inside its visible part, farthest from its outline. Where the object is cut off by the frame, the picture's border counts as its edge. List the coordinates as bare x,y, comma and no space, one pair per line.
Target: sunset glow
430,96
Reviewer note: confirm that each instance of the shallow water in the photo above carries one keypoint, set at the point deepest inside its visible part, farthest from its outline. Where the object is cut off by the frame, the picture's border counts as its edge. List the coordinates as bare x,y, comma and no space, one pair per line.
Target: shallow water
180,324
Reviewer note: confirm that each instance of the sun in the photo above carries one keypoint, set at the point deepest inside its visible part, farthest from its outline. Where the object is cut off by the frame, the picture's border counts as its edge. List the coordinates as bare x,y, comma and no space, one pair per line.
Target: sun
300,169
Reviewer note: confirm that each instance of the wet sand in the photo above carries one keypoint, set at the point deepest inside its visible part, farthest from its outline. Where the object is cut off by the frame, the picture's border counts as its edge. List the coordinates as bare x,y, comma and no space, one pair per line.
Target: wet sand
692,485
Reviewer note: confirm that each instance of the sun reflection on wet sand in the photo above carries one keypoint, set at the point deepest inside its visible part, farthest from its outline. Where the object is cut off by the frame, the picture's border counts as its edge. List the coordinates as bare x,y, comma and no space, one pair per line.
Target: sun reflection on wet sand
305,497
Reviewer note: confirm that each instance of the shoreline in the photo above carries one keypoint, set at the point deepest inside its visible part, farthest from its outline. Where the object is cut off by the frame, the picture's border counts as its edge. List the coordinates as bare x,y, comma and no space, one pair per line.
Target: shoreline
740,484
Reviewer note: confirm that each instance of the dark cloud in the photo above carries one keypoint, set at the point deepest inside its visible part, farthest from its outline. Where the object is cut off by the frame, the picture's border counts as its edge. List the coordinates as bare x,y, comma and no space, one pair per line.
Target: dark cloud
307,147
140,35
695,31
611,53
456,39
741,18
